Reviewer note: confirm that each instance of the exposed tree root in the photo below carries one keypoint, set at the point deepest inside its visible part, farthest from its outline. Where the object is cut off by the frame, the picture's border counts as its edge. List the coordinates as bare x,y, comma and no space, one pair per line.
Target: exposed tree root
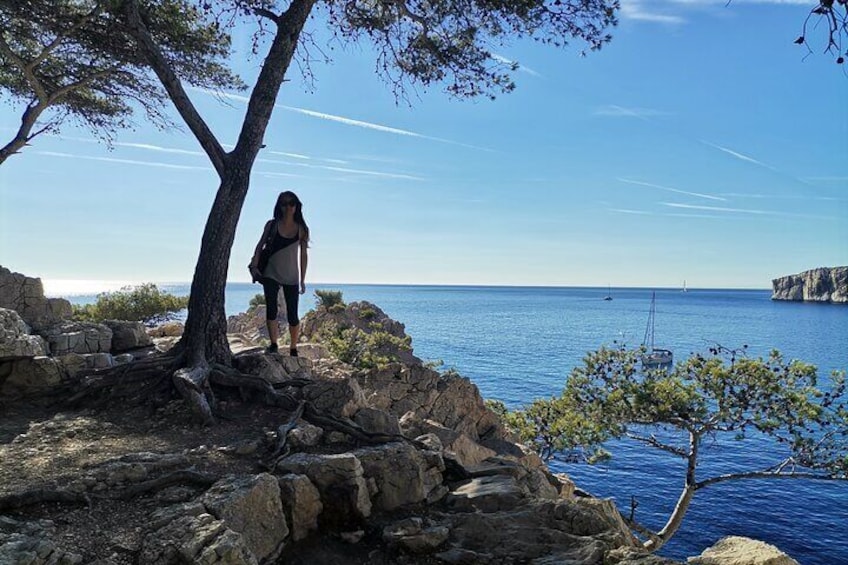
38,496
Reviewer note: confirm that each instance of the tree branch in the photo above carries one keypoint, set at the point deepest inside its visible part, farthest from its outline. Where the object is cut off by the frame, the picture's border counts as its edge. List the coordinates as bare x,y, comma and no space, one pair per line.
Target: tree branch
267,87
654,442
175,89
778,474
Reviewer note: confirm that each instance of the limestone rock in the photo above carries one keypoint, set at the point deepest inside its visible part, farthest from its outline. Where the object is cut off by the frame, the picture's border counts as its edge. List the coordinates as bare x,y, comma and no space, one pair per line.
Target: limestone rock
187,534
363,316
302,503
30,543
127,335
15,340
79,337
552,531
168,329
631,556
261,365
413,535
25,295
826,284
467,451
339,397
486,494
377,421
252,507
451,401
402,474
30,376
737,550
304,435
340,480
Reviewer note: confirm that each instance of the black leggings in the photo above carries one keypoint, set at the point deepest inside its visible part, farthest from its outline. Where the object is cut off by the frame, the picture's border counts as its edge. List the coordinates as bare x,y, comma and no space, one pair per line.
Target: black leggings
290,292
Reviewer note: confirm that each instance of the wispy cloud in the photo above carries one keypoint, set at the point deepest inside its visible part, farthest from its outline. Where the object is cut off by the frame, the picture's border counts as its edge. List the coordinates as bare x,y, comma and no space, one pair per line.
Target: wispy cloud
347,121
383,174
145,146
666,214
615,110
307,157
522,68
739,155
124,161
669,189
639,11
676,12
754,212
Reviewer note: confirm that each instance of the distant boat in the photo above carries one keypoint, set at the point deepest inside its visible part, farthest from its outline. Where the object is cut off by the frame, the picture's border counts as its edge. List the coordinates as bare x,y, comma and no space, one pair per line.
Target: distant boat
684,286
654,358
609,293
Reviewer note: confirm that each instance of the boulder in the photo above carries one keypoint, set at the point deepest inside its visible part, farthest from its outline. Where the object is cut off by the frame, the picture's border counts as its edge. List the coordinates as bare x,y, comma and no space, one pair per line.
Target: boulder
304,435
737,550
252,507
127,335
302,503
31,543
552,531
15,339
168,329
79,337
402,474
467,451
377,421
340,480
486,494
338,397
186,533
25,295
30,376
414,536
449,400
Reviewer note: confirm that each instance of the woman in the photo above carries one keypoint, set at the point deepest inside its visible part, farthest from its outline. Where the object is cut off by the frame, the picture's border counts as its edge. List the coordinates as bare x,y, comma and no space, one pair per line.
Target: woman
284,238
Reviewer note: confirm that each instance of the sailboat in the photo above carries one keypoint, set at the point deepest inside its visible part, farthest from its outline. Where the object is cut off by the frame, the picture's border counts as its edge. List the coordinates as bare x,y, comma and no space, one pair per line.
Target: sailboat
609,293
684,286
654,358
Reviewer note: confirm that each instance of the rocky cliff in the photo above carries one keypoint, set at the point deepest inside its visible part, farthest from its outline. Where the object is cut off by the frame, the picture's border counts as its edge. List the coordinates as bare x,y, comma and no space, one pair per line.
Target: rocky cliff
408,466
825,284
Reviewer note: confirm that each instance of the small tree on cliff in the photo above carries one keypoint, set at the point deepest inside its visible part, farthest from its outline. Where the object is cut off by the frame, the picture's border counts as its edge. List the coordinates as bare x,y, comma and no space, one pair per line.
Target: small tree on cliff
675,412
424,44
72,59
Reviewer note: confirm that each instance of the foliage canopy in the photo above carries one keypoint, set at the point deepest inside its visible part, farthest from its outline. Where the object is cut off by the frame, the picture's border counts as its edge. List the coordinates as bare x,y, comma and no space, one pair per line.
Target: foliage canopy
74,59
143,303
724,393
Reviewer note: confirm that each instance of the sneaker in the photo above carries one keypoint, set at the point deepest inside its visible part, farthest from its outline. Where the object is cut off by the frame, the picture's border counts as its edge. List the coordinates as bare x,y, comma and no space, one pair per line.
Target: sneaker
272,348
293,352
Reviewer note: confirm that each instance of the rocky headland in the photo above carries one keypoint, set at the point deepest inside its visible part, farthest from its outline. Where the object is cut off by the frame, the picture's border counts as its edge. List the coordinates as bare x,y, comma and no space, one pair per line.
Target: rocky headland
407,466
825,284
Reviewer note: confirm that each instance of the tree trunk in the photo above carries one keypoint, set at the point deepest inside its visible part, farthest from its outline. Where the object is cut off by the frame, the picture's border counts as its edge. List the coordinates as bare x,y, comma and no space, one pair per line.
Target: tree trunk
205,336
683,502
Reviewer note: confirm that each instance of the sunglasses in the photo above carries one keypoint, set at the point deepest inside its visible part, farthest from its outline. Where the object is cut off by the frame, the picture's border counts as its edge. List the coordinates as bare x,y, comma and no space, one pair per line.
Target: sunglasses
287,203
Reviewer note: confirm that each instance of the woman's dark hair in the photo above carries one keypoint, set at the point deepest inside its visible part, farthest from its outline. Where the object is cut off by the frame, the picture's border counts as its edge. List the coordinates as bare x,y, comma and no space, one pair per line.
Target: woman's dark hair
289,196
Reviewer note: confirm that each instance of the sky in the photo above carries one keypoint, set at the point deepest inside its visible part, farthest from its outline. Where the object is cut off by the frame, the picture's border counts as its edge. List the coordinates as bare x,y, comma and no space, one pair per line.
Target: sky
700,145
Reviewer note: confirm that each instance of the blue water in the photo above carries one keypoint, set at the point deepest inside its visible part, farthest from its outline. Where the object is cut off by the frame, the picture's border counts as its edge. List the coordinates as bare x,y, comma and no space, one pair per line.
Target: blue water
517,344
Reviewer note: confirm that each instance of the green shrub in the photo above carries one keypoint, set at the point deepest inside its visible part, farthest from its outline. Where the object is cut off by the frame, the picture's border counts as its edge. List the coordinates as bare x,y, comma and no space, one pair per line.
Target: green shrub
367,313
361,349
143,303
257,301
329,299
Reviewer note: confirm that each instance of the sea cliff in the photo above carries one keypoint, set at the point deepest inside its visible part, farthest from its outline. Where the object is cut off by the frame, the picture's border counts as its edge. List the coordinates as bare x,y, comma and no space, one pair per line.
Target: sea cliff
394,463
825,284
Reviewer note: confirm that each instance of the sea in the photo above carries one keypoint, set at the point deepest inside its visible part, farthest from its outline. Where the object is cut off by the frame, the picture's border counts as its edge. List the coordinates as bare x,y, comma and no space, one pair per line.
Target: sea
521,343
